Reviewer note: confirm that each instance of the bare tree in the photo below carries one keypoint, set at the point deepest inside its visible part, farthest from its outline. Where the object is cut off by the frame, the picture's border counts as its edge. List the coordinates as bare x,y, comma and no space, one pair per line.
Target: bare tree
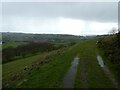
113,31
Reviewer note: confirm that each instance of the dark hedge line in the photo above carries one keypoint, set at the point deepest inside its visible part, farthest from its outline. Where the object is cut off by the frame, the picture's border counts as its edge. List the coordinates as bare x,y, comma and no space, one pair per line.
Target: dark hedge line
9,53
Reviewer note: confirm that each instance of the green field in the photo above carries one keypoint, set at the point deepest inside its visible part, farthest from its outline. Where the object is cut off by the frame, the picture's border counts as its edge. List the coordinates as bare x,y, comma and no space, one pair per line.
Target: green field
51,74
12,44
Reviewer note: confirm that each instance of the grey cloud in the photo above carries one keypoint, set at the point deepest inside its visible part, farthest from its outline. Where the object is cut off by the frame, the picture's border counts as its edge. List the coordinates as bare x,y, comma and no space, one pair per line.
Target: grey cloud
97,11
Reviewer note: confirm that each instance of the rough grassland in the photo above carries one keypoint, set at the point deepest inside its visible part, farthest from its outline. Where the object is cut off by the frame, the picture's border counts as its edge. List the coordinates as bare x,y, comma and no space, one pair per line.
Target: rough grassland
51,74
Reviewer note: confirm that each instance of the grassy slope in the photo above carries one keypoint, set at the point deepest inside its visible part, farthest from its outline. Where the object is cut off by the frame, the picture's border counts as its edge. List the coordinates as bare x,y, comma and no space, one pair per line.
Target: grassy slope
95,75
15,66
51,74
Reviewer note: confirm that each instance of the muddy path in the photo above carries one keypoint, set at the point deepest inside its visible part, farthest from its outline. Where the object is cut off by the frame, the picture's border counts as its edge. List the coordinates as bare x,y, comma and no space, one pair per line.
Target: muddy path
68,81
107,71
92,72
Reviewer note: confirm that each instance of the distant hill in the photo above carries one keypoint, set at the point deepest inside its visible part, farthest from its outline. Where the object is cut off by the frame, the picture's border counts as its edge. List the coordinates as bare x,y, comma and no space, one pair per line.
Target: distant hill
39,37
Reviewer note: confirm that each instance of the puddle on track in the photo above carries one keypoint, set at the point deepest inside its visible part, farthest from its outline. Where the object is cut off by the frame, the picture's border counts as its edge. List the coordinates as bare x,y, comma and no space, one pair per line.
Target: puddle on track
69,78
100,61
107,71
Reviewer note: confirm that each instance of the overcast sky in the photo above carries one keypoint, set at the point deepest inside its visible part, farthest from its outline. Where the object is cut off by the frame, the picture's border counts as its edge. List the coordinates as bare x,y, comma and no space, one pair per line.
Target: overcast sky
77,18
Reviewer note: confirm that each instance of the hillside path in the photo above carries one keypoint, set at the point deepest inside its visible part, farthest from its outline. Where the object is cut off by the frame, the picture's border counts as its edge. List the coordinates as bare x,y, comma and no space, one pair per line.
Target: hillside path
92,73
